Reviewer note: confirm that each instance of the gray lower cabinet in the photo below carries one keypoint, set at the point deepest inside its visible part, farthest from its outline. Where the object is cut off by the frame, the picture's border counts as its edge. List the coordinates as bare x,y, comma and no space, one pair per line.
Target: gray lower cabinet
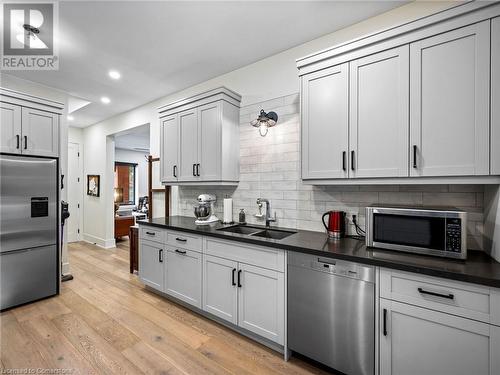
183,275
261,304
449,103
245,295
151,264
419,341
495,96
220,292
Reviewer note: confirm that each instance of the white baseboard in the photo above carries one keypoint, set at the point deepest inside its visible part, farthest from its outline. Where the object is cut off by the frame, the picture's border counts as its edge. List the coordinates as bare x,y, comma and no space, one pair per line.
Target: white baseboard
65,268
101,242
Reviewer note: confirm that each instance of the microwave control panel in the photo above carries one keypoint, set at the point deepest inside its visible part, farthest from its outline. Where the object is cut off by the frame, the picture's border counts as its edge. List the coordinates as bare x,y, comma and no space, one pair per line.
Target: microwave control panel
454,235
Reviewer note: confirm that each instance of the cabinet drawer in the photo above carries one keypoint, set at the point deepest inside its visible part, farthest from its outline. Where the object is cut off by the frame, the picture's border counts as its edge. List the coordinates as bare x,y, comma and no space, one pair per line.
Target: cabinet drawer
183,275
452,297
152,234
250,254
184,240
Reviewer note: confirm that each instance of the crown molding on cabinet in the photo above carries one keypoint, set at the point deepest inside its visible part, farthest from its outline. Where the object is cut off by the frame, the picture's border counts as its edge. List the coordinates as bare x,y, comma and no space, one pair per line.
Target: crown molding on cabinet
456,17
30,101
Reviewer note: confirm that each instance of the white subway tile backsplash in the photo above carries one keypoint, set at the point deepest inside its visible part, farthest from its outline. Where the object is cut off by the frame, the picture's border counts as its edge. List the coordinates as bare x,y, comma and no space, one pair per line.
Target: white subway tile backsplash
270,168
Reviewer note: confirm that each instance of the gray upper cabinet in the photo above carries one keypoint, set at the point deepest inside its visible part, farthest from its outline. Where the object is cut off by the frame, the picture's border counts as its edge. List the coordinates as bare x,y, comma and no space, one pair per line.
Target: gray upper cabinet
495,96
378,138
10,128
202,145
209,139
169,151
412,104
325,116
40,132
28,131
188,146
449,103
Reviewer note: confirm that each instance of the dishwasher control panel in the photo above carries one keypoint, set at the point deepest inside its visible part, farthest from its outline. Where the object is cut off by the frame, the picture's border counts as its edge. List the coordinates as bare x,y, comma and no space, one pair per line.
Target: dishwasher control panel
333,266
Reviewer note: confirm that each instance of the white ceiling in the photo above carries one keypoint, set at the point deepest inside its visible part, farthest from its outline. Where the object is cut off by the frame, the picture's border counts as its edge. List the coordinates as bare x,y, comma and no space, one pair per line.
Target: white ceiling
135,139
162,47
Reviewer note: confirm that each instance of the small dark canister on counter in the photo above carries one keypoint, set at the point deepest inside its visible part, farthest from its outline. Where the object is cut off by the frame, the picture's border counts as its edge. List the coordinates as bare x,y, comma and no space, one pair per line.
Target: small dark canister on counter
241,218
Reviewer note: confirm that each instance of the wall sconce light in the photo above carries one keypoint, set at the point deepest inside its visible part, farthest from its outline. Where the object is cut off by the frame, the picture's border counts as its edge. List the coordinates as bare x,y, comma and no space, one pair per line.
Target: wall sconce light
264,122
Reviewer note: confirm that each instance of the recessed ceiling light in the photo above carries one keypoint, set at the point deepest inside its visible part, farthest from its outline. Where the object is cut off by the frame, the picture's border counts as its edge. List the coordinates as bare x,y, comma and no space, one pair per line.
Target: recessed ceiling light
105,100
70,118
114,74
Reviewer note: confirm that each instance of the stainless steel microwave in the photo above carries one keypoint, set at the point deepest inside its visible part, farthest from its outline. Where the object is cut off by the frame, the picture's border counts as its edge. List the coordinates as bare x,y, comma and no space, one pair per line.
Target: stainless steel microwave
439,232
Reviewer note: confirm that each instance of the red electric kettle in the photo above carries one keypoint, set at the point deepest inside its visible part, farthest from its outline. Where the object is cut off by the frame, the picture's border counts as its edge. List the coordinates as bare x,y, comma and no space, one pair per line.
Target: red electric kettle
336,224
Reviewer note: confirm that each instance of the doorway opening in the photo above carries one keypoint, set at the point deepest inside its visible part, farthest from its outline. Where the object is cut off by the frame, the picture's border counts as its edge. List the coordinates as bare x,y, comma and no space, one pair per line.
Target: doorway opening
130,189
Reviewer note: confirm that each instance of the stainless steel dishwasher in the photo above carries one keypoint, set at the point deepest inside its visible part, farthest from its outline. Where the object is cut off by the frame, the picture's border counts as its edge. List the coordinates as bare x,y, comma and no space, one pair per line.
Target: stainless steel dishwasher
331,312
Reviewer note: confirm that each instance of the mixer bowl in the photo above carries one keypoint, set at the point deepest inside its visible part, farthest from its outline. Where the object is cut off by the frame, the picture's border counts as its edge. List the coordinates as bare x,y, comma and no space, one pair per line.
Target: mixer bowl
202,211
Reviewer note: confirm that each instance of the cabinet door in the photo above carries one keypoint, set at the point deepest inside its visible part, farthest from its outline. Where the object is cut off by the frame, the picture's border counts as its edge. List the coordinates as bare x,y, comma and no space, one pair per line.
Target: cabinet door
209,138
10,128
449,103
261,302
151,266
169,148
418,341
183,275
188,145
495,96
40,133
379,114
219,288
325,110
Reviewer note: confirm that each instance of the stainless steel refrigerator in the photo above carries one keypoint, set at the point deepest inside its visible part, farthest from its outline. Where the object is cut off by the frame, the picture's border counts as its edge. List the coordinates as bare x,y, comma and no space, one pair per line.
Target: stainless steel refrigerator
29,246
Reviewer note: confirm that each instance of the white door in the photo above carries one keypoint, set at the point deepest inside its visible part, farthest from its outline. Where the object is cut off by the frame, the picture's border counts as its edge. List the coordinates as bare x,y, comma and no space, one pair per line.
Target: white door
379,123
417,341
261,302
209,139
183,275
325,121
449,103
188,146
169,149
151,265
74,186
10,128
40,135
220,288
495,96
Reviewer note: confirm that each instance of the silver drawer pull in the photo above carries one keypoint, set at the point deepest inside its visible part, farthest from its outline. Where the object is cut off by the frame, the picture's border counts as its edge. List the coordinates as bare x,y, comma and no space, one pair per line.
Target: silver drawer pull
151,233
180,252
180,239
447,296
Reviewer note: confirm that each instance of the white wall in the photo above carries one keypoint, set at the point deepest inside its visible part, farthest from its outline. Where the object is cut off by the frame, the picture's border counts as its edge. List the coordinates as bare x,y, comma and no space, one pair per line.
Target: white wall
141,171
269,78
35,89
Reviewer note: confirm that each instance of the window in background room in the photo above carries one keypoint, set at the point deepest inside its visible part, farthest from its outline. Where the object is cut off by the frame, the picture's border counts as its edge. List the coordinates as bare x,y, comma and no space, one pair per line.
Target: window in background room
125,183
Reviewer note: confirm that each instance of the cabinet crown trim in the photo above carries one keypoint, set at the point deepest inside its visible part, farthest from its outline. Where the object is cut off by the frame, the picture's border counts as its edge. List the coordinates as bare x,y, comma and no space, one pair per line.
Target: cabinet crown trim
223,93
26,100
397,31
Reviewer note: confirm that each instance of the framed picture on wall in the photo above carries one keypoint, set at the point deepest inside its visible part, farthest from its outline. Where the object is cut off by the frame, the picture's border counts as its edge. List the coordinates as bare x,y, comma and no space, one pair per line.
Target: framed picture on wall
93,185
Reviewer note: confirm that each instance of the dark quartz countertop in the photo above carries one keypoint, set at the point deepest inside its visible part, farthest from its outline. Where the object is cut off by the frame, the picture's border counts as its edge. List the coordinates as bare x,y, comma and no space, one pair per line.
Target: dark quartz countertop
479,267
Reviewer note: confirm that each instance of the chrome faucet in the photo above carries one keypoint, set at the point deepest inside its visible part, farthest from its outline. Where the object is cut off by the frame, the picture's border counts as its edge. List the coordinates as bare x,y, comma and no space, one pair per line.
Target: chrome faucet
269,218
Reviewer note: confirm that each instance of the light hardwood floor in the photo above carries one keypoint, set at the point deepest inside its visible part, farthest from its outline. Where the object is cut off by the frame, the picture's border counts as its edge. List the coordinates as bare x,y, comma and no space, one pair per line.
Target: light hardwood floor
105,322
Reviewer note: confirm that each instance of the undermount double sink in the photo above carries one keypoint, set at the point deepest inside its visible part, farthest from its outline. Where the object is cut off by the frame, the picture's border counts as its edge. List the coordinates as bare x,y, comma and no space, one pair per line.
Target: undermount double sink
275,234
